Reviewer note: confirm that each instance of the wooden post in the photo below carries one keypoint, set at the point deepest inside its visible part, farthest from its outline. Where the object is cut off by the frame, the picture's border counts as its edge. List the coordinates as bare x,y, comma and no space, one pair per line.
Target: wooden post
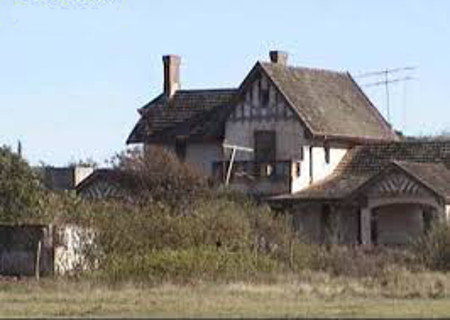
291,253
366,236
230,167
38,260
234,148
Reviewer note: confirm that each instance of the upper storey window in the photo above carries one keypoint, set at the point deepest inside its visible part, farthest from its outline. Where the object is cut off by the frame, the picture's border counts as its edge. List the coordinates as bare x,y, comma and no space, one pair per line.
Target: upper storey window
265,146
264,97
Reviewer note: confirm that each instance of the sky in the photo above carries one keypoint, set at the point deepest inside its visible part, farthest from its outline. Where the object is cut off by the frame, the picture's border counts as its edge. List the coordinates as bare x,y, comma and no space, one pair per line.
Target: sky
74,72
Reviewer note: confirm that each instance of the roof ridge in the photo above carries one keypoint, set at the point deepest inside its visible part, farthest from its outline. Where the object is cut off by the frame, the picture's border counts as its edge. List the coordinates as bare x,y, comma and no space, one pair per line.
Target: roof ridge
205,90
315,69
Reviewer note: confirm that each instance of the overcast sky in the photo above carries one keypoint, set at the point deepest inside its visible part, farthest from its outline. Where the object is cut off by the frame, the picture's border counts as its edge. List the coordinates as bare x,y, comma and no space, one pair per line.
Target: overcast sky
73,72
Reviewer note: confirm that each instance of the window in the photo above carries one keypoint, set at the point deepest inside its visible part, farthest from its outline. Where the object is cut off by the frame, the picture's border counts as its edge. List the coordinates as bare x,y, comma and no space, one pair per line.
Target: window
180,148
264,98
327,154
265,146
302,156
298,169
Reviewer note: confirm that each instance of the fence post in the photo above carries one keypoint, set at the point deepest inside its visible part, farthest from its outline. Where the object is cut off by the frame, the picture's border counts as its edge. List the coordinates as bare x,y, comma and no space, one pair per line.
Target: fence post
38,260
291,253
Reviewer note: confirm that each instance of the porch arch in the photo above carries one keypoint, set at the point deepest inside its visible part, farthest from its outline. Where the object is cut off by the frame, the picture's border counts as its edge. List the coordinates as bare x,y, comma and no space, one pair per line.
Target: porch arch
397,218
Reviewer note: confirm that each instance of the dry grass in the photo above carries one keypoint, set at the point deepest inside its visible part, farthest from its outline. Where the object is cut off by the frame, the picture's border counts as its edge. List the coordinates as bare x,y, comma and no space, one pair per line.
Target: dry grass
310,294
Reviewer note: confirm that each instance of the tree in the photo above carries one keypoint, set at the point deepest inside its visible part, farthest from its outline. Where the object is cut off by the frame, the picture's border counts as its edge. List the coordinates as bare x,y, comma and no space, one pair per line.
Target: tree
158,175
22,196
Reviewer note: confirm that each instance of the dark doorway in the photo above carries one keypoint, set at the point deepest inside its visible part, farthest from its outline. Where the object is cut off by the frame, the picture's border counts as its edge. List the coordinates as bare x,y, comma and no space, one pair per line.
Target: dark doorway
325,222
180,148
428,216
374,227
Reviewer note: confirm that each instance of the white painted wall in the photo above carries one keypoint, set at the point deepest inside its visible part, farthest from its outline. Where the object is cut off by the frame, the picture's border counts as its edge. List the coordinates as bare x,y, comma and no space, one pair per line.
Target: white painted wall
447,212
320,168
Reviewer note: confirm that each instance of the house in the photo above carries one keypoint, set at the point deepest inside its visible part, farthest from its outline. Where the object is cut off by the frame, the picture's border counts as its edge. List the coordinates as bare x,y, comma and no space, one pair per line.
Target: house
63,178
100,184
310,141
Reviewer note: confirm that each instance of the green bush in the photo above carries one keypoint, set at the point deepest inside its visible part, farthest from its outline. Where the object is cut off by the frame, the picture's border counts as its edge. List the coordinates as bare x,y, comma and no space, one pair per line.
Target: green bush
241,238
196,263
22,196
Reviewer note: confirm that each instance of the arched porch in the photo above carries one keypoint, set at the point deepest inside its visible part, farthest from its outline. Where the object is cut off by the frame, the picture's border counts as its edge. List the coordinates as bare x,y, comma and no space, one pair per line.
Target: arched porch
398,220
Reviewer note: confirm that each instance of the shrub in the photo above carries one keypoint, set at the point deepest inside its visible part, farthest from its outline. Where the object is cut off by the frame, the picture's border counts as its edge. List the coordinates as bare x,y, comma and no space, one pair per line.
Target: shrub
433,248
156,174
356,261
22,196
196,263
126,232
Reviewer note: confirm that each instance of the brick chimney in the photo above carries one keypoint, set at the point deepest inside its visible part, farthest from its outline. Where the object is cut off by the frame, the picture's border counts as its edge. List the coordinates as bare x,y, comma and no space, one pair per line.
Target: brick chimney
278,57
171,74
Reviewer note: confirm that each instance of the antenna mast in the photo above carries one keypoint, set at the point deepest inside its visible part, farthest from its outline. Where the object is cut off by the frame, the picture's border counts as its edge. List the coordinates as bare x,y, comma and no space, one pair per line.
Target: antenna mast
386,81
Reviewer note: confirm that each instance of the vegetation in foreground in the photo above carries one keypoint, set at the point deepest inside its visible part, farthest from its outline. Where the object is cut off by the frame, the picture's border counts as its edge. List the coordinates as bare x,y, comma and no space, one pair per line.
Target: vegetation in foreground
175,245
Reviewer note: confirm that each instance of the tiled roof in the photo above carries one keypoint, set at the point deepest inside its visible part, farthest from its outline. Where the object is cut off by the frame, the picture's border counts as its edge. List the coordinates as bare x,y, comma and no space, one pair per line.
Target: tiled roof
434,175
330,103
192,113
424,160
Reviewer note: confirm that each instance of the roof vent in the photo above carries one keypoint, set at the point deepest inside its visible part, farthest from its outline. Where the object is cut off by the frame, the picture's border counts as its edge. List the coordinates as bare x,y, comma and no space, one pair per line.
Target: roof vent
279,57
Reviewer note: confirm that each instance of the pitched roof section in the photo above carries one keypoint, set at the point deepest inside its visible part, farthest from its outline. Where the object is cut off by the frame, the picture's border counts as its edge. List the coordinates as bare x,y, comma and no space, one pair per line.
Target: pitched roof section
428,162
434,175
192,113
330,103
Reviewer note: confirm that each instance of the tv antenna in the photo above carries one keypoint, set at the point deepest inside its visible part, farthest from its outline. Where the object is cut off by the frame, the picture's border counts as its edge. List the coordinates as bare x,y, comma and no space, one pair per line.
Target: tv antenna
384,78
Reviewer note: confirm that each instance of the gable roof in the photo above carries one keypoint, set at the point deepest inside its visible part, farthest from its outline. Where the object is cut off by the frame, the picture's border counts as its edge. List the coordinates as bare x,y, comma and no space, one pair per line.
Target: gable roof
192,113
104,175
428,162
433,175
329,103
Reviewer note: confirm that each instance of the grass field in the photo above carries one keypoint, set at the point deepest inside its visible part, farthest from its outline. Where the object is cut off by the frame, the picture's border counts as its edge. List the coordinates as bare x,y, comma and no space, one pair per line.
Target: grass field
341,298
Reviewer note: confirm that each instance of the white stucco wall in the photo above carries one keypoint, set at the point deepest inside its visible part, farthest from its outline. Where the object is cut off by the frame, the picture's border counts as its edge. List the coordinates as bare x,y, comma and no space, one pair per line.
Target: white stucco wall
320,168
447,212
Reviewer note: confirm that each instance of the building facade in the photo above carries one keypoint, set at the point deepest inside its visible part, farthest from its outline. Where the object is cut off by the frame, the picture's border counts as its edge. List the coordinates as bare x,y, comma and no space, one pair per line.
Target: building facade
296,136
